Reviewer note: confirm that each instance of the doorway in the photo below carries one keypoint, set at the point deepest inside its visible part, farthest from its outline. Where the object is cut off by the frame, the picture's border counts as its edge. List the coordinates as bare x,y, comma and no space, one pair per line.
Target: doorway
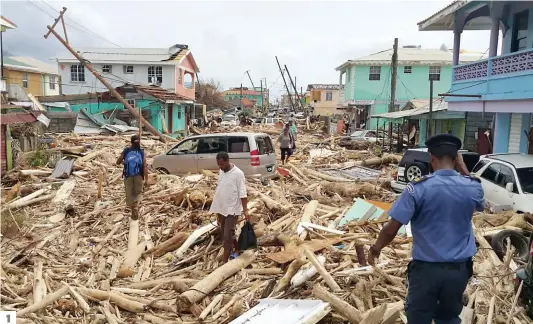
169,117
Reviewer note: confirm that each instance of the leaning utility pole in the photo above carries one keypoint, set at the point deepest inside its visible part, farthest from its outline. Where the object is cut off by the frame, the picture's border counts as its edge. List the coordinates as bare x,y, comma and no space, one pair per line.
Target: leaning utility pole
249,77
240,97
112,90
394,67
284,81
294,87
262,98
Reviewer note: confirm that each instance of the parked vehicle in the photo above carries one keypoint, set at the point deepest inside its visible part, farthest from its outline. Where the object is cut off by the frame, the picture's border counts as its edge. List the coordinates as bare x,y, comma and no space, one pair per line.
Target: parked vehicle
253,153
270,121
507,180
415,164
229,121
361,136
299,115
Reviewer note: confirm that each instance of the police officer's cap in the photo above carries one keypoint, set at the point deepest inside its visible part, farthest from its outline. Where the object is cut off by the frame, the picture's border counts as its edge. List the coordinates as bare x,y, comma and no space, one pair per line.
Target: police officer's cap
445,144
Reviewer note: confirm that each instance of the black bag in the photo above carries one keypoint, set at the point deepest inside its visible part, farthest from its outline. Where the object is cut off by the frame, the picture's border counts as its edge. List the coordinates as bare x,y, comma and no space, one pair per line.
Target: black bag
247,239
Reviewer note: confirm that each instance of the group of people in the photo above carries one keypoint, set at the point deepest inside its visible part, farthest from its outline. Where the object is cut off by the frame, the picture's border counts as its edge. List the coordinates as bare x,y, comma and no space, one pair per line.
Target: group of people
439,207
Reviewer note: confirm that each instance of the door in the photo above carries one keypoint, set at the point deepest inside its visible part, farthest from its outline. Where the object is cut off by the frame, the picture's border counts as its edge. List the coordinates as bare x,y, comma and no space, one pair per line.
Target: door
182,159
208,148
505,176
488,181
515,133
170,117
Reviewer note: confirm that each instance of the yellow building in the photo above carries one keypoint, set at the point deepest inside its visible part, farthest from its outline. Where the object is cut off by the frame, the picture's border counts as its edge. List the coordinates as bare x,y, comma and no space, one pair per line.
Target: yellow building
325,99
20,76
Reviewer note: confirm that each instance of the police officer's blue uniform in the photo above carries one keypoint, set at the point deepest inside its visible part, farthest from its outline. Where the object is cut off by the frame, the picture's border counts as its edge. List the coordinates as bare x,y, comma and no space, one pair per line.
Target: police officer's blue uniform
440,208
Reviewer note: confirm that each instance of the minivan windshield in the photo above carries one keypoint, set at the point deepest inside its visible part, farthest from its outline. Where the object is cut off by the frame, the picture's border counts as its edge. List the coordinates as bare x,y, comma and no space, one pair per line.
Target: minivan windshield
525,177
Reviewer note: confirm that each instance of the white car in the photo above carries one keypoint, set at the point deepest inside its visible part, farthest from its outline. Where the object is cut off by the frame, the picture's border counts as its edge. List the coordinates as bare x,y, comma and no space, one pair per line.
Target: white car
507,180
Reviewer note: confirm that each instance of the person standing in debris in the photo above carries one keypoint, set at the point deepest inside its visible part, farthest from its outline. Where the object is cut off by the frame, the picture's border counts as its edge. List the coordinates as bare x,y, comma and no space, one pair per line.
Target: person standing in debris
285,141
293,130
230,201
135,171
440,208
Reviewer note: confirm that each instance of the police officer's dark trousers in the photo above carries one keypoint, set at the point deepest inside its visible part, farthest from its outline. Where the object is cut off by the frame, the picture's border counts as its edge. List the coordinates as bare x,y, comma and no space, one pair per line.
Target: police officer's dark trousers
436,291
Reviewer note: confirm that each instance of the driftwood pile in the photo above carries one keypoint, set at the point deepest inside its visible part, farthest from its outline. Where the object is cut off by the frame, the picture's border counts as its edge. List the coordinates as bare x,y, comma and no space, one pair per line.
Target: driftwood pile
67,256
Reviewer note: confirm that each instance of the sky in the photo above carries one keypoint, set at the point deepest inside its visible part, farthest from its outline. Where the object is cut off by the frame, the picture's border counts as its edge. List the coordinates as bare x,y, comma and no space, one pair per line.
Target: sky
228,38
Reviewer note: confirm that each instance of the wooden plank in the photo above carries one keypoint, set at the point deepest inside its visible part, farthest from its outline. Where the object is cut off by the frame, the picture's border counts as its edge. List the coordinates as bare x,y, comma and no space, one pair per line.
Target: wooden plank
291,254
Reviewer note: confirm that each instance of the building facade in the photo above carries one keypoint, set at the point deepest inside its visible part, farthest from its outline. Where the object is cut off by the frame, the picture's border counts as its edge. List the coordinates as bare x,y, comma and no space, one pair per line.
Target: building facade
251,94
501,84
324,98
173,69
367,80
22,79
49,75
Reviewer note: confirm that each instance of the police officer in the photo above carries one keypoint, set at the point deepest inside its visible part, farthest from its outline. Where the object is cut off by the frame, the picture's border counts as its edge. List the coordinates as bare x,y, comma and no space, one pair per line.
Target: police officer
440,208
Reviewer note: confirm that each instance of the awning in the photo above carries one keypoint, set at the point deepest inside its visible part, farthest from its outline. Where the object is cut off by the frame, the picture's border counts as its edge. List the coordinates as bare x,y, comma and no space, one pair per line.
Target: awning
423,108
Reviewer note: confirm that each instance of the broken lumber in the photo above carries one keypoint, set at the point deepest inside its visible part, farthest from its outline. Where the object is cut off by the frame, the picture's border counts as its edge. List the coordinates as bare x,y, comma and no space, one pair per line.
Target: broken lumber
321,270
303,275
168,246
131,258
309,212
286,279
116,298
49,299
348,311
209,283
326,177
194,236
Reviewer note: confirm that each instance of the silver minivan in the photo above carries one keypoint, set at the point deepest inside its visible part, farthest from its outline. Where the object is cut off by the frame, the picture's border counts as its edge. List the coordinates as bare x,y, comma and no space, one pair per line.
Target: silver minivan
253,153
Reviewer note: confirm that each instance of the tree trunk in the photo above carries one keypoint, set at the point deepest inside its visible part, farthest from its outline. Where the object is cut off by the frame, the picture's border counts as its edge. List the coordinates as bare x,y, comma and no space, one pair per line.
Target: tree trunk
351,313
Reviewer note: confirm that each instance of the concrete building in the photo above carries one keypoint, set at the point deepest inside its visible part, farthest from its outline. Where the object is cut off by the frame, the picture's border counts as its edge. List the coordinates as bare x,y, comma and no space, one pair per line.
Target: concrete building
173,69
324,98
22,79
49,74
502,84
367,80
251,94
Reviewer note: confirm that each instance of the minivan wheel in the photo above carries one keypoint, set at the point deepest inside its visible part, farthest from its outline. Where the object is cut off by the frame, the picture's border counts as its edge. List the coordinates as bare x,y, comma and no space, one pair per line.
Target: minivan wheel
162,170
414,171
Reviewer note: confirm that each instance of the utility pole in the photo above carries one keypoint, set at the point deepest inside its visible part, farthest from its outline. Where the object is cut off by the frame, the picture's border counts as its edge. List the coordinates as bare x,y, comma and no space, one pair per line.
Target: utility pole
285,82
394,67
249,77
240,98
430,115
112,90
294,86
262,98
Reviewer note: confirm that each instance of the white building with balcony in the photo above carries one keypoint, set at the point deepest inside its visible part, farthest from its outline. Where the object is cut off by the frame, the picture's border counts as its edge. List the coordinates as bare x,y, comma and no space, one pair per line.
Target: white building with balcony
502,84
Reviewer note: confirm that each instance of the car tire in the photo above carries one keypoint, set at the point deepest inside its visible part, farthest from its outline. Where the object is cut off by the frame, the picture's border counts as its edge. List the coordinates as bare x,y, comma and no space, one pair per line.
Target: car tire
519,241
162,171
414,171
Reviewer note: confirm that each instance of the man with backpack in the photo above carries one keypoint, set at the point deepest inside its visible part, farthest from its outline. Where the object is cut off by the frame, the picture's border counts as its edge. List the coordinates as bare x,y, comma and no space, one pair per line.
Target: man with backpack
135,171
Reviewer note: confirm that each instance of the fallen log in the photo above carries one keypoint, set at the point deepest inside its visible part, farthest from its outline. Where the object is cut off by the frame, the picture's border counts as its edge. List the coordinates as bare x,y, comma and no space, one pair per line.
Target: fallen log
286,279
115,298
131,258
49,299
321,270
275,207
375,315
193,237
326,177
168,246
36,173
209,283
351,313
303,275
309,211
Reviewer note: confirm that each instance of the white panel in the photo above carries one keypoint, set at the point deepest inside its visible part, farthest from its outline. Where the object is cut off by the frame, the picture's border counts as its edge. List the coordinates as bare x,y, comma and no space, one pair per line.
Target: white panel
514,133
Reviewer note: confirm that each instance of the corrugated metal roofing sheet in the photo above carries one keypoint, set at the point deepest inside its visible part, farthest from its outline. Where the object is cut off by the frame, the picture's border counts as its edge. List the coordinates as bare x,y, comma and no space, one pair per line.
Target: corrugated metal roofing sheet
286,311
437,106
17,118
63,169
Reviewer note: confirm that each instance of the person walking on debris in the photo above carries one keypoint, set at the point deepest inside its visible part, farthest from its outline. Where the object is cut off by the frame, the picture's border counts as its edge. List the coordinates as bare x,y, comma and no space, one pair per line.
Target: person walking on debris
440,207
286,141
293,130
135,170
230,201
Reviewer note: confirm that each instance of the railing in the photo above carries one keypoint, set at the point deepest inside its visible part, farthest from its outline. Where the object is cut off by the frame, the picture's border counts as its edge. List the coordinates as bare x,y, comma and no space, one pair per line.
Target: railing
498,65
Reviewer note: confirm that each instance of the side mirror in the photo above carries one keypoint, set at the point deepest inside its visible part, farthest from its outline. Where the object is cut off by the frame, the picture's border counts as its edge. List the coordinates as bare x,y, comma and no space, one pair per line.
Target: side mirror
509,186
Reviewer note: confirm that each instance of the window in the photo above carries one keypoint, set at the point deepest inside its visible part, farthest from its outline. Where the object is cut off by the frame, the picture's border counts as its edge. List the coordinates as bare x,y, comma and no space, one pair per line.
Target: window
505,176
128,69
434,73
52,82
264,145
375,73
25,80
491,172
348,75
131,102
519,38
329,96
479,165
179,113
180,76
106,68
155,74
407,69
77,73
525,177
238,145
185,147
212,145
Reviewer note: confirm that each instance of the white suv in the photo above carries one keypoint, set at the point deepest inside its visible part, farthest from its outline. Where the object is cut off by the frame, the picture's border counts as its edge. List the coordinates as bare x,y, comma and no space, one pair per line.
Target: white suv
507,180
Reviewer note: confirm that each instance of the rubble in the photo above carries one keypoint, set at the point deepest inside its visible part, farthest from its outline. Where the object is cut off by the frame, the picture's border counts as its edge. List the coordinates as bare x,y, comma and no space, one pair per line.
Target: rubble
65,252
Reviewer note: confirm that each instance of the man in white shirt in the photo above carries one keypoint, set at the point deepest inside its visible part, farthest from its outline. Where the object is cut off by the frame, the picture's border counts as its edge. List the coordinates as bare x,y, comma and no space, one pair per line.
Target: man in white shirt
230,200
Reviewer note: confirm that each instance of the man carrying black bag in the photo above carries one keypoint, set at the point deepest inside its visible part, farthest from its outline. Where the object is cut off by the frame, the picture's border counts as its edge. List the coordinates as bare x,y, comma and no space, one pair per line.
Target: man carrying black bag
230,200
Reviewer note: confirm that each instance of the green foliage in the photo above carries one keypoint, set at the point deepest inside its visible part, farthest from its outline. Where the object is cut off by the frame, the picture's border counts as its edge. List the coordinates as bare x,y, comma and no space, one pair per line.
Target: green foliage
39,158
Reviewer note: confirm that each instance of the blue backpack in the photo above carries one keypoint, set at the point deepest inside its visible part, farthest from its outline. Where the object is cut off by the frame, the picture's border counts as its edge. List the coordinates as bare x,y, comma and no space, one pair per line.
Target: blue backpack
133,163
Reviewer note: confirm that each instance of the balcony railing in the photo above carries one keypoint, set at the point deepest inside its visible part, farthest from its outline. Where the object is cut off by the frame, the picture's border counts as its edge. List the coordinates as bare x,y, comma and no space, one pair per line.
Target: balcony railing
495,66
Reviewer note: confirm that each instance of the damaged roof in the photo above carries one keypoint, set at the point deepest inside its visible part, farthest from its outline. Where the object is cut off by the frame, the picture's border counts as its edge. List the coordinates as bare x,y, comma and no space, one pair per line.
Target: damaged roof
159,93
17,118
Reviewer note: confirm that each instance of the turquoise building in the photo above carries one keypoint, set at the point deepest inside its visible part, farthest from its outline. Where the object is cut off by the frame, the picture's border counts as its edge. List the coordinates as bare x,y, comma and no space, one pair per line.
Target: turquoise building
367,80
253,95
501,84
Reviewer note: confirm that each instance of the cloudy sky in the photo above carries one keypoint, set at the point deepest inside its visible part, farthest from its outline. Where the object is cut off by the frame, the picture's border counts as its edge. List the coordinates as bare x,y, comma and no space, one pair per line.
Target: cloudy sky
228,38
